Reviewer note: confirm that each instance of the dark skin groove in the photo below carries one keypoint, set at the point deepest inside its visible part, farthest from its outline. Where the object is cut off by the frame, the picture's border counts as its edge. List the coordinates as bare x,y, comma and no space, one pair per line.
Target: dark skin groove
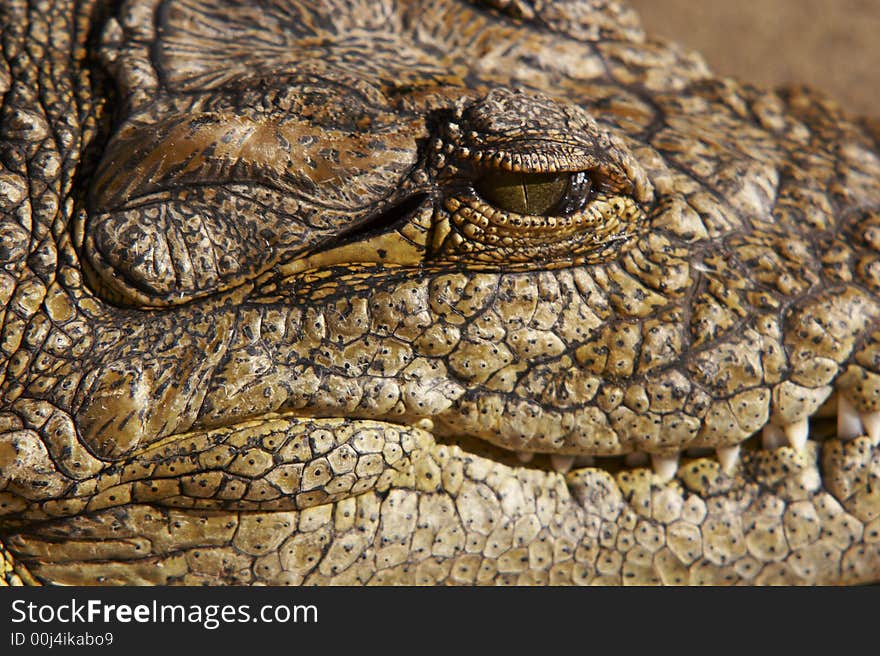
268,316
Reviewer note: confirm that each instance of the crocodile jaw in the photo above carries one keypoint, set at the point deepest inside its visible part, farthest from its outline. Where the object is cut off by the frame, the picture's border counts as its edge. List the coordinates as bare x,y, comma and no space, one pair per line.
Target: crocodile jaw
467,518
509,515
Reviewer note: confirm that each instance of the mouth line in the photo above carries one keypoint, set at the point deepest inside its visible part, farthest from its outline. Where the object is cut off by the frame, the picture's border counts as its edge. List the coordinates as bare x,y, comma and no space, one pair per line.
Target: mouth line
837,418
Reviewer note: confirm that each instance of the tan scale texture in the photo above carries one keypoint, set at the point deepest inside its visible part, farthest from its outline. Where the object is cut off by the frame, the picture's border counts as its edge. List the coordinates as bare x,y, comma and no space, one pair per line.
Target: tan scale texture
261,323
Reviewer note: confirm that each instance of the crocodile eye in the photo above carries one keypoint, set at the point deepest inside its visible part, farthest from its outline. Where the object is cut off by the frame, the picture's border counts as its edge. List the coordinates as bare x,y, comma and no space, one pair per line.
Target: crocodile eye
537,194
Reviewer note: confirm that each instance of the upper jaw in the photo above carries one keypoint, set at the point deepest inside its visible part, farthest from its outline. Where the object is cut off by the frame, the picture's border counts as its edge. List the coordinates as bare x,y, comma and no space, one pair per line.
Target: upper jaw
838,418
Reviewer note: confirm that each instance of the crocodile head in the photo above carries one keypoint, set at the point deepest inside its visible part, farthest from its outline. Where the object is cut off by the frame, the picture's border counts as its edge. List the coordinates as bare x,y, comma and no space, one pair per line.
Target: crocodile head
421,292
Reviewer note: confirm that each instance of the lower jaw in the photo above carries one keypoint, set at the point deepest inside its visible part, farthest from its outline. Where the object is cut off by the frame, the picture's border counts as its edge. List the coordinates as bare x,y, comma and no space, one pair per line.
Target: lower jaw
782,517
780,514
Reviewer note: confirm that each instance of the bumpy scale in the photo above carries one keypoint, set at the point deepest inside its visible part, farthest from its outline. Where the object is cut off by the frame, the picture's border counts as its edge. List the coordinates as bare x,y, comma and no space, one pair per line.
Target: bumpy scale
426,292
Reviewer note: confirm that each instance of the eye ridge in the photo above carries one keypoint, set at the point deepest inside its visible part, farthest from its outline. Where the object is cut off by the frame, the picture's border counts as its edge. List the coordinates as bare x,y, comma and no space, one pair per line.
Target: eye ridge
537,194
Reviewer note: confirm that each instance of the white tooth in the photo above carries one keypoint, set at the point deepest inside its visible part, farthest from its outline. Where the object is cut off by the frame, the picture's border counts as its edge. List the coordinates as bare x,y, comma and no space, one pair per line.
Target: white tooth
584,461
772,437
425,424
525,457
797,433
635,459
665,467
728,457
561,463
849,426
871,422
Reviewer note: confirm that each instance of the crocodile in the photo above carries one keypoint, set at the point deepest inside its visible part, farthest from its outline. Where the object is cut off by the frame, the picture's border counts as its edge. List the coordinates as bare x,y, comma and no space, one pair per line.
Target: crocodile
401,292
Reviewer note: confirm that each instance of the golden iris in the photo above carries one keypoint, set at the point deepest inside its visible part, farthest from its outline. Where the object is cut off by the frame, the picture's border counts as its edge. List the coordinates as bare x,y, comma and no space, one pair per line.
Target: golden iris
538,194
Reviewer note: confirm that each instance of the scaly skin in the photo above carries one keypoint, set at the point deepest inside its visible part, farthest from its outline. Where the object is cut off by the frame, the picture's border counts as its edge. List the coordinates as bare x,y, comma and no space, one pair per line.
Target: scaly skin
270,314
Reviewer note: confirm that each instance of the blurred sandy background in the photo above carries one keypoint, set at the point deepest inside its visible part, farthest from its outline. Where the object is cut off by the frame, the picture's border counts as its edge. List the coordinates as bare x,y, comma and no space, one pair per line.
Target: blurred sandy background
833,45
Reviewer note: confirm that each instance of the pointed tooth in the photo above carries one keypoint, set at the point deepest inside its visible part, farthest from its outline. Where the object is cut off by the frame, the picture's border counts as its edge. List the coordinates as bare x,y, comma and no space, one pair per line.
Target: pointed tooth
871,422
797,433
772,437
728,456
425,424
849,425
584,461
525,457
665,467
561,463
